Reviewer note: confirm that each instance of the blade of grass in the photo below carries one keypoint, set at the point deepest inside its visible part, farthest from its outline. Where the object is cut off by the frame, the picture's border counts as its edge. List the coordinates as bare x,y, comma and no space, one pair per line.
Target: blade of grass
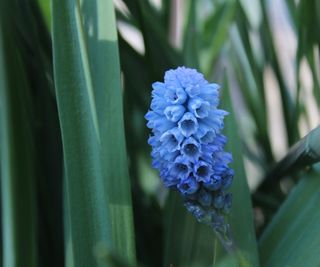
159,53
165,14
315,75
186,242
295,228
87,78
249,85
215,33
303,153
241,217
17,152
45,9
288,105
36,53
105,70
191,38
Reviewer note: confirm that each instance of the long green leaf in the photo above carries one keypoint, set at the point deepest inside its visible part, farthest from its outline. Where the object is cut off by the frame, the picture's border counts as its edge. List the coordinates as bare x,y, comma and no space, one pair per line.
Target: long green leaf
215,33
303,153
241,217
159,53
17,152
292,237
186,242
87,78
247,73
288,105
36,53
191,38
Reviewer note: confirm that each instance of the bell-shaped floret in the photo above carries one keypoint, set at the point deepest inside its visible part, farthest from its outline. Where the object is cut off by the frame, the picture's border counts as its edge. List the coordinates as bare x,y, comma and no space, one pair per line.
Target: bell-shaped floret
202,171
181,167
174,113
199,107
191,149
188,124
171,140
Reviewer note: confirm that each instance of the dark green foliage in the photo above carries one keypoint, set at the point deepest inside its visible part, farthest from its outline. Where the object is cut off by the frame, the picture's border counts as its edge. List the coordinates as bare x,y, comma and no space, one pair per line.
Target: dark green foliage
72,206
34,133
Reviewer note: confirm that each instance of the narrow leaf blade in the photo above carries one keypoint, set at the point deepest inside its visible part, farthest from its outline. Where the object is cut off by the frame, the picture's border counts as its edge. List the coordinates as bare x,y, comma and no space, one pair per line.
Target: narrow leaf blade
294,230
241,217
87,78
17,153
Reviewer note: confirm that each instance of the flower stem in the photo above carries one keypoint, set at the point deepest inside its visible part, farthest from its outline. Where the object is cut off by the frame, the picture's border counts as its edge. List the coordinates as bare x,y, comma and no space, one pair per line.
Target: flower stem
224,234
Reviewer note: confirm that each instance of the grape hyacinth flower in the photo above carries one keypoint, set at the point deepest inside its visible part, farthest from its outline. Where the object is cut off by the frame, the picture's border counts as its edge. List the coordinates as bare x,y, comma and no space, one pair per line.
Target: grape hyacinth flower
188,147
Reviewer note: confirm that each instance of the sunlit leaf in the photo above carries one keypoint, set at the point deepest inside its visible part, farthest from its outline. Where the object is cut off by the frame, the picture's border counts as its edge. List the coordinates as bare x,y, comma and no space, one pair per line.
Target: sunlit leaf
87,78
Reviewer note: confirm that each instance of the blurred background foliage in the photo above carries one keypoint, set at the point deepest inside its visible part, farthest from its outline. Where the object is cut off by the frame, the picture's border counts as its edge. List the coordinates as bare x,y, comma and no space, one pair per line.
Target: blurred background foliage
65,71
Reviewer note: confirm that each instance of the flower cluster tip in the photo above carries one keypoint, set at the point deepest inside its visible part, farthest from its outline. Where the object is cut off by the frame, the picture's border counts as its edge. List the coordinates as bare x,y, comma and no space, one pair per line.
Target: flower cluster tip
187,143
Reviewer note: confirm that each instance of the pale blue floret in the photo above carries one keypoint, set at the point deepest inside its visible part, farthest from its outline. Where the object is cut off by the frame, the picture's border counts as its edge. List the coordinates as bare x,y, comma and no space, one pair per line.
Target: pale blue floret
208,137
181,168
210,93
171,140
191,148
174,113
175,95
187,144
188,124
199,107
202,171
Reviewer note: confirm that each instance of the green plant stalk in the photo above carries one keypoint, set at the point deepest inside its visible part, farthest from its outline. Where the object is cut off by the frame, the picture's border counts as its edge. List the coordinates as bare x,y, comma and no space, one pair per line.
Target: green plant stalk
225,236
17,158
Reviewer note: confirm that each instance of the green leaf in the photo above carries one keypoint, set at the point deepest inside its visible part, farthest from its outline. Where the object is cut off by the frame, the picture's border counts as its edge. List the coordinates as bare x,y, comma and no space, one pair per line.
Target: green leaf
87,79
241,217
106,258
314,70
33,45
249,84
186,242
271,54
191,38
17,152
292,237
252,11
45,9
216,33
160,54
303,153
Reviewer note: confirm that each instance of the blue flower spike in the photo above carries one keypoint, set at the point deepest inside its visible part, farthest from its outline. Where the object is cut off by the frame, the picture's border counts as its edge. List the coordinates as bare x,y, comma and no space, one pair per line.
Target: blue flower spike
188,147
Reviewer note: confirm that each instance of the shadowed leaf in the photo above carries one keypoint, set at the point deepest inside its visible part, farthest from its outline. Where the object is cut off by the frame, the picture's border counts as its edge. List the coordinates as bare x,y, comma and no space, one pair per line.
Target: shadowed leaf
291,238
